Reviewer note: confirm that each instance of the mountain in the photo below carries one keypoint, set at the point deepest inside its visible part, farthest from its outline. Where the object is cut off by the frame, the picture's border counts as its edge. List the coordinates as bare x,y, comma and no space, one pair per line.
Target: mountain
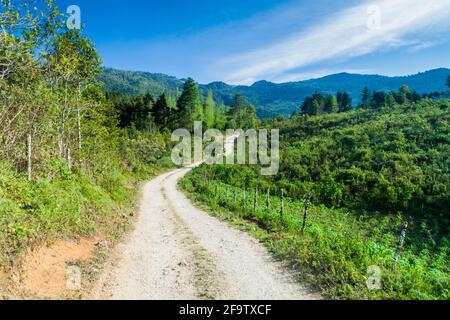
272,99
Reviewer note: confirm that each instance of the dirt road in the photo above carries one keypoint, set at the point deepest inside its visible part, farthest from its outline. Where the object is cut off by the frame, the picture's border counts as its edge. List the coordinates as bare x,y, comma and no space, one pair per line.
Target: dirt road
178,251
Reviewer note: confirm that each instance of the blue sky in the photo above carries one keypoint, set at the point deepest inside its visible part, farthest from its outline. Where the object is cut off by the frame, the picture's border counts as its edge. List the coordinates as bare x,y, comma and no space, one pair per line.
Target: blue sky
241,42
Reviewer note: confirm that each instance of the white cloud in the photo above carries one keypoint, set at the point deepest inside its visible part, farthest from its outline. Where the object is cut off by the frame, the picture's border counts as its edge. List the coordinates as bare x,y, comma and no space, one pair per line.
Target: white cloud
343,35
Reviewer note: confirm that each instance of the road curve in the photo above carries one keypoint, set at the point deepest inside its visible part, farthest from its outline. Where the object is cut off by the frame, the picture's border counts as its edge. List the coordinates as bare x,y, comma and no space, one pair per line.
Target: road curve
179,252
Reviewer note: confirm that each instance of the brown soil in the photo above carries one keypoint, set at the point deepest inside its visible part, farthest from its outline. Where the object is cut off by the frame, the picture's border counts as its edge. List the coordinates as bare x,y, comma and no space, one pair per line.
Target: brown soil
43,272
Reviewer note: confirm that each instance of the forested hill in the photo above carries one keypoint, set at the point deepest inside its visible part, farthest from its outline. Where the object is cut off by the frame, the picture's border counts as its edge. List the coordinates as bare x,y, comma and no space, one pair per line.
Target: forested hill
272,99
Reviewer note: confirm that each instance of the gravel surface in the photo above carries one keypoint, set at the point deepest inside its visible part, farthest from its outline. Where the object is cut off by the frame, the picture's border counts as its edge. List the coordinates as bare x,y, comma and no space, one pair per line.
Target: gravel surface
178,251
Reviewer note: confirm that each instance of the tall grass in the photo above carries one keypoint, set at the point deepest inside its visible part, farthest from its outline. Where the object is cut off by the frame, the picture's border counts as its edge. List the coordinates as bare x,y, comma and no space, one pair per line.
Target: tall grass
337,247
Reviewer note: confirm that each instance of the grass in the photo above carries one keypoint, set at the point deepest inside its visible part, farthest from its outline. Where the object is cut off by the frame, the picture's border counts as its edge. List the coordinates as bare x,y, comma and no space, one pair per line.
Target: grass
68,206
337,247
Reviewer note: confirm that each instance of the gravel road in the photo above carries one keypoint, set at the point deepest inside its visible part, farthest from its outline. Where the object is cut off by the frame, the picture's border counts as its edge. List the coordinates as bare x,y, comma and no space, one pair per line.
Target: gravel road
178,251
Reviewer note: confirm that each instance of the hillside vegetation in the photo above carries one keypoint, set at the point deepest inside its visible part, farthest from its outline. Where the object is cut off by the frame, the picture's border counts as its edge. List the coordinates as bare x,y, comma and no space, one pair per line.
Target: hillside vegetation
368,171
272,99
66,168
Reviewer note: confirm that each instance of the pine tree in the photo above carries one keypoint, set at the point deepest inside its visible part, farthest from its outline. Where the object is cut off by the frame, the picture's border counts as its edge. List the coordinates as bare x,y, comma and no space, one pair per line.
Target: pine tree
390,100
306,107
220,119
171,101
236,112
378,99
365,98
210,110
331,105
161,112
404,92
190,107
344,101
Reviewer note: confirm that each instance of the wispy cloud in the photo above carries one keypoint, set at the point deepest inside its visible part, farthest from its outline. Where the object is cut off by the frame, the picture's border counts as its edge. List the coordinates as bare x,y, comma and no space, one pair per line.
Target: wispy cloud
403,23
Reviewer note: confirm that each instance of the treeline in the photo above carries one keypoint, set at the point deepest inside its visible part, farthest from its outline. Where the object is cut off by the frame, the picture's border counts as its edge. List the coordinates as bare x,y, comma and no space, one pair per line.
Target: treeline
319,103
169,112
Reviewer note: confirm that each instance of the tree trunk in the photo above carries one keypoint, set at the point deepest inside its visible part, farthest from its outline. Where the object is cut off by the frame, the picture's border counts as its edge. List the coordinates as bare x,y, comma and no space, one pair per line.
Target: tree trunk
29,147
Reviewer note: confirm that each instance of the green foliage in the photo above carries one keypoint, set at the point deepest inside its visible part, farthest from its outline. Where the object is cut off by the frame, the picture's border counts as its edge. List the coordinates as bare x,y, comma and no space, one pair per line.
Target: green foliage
344,101
189,105
389,160
210,110
319,104
337,247
220,119
85,155
367,170
162,112
365,97
272,99
241,114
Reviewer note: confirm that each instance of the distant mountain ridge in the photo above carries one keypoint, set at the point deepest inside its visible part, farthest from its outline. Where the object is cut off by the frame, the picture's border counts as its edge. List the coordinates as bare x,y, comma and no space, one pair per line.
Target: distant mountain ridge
272,99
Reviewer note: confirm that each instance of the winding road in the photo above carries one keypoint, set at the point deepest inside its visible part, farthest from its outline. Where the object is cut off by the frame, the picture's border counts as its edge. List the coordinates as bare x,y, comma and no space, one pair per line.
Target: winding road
179,252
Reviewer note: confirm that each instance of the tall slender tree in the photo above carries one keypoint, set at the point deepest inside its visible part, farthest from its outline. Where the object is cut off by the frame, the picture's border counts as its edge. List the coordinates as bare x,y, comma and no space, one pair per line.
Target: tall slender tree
209,110
365,97
331,105
161,112
220,118
189,105
344,101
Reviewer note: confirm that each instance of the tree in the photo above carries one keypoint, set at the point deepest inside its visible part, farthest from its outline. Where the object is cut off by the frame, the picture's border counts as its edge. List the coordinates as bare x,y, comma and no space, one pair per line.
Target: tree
448,81
403,94
307,106
319,104
331,105
365,97
209,110
390,100
189,105
344,101
236,111
241,114
161,112
378,100
220,119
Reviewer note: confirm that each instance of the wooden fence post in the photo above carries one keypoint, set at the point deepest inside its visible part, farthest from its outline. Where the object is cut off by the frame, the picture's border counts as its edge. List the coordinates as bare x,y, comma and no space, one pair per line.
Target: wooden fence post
226,196
268,199
305,215
255,200
282,205
80,144
29,156
400,245
69,160
235,196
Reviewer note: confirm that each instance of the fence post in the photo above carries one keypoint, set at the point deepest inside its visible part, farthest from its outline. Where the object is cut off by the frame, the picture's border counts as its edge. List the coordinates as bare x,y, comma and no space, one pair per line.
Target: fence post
69,160
268,199
255,200
400,245
79,128
305,215
226,196
282,205
235,196
29,153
